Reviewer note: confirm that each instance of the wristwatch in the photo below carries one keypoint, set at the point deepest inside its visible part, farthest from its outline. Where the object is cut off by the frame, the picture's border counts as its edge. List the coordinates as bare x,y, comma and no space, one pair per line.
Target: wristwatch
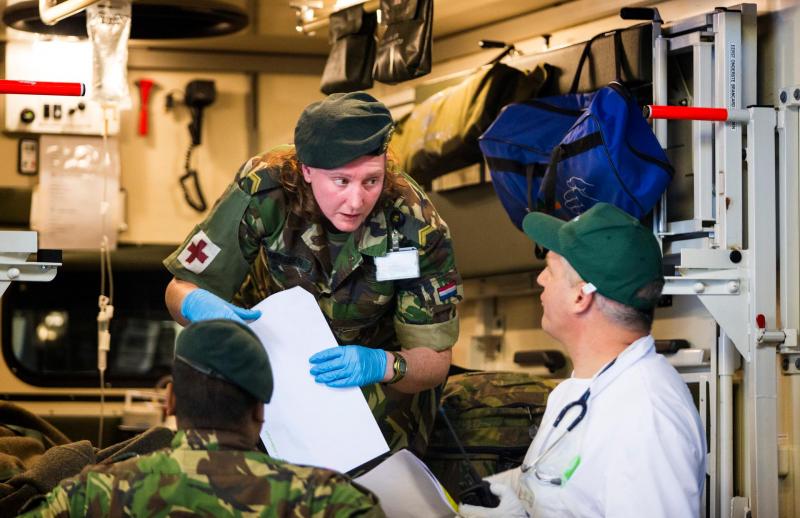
399,365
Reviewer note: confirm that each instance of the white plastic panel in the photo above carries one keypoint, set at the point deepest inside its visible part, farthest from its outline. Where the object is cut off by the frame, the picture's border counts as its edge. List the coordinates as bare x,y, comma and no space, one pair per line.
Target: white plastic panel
53,60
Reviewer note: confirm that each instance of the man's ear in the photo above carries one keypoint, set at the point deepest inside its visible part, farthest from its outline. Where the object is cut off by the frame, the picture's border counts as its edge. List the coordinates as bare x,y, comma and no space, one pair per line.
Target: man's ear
258,413
584,298
306,173
170,400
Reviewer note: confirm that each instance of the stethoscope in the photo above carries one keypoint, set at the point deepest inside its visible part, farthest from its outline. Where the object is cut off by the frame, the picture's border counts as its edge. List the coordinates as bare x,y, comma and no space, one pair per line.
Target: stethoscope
581,403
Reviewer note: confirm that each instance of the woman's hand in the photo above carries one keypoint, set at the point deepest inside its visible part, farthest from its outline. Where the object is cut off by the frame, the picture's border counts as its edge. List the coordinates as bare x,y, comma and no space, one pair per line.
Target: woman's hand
204,305
348,366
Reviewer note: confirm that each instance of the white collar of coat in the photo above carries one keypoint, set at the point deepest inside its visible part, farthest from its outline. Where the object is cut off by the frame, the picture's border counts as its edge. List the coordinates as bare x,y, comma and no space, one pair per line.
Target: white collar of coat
632,354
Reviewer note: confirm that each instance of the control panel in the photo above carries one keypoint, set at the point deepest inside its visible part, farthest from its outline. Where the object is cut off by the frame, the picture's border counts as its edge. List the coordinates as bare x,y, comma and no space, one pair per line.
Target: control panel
54,60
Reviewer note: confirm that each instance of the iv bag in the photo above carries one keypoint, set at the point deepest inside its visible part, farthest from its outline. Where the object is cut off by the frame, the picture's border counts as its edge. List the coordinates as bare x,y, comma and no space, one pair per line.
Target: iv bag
108,23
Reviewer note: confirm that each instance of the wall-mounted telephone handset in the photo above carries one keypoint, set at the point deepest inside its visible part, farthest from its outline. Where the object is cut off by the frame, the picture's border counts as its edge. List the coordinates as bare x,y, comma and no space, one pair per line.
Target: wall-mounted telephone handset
199,94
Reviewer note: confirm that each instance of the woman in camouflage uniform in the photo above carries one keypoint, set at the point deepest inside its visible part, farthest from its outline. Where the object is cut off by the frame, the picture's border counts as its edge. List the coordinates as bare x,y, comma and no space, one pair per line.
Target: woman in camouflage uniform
335,216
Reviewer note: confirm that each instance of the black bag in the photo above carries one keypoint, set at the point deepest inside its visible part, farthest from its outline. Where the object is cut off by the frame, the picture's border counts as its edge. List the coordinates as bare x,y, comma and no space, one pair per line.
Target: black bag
404,51
495,415
352,37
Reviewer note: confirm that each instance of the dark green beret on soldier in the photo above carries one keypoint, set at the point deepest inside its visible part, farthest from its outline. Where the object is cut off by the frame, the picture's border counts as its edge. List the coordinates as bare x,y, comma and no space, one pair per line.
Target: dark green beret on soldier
228,350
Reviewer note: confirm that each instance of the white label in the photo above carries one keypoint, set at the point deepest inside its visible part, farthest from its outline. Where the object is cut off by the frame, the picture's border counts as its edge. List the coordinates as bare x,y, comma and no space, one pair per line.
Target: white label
402,264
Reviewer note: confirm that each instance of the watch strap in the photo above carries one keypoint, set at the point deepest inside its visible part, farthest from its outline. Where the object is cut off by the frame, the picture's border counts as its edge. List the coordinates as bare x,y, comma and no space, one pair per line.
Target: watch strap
400,366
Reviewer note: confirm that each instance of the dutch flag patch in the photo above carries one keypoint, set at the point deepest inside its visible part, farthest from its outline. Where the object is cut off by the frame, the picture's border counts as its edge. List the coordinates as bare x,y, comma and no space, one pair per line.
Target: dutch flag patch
447,291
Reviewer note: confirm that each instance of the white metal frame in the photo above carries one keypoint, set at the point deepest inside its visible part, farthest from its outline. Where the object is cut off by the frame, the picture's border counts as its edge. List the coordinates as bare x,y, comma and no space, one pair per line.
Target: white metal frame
15,247
732,266
789,191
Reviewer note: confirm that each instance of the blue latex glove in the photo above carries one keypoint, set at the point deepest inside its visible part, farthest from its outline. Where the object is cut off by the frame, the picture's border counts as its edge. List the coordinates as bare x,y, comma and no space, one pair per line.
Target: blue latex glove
348,366
204,305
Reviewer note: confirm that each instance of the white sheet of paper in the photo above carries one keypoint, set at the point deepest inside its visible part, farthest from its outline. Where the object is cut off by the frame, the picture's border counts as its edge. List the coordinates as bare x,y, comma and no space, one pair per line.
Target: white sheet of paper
307,422
407,488
78,194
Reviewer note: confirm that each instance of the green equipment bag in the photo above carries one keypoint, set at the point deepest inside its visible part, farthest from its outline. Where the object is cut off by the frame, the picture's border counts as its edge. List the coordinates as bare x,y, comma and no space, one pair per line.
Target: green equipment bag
495,416
440,135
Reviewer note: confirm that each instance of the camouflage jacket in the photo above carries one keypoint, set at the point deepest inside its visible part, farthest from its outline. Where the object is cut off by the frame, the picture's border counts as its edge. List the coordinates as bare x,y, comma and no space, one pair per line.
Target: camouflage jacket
253,245
208,473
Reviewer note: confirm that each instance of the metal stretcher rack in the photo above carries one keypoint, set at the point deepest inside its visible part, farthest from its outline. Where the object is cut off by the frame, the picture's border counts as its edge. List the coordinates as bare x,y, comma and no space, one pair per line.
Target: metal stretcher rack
726,253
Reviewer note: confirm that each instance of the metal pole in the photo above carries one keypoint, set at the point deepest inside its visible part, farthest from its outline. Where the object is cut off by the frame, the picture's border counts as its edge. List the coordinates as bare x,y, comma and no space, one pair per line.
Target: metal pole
788,210
695,113
760,373
789,225
703,133
660,46
8,86
728,72
727,366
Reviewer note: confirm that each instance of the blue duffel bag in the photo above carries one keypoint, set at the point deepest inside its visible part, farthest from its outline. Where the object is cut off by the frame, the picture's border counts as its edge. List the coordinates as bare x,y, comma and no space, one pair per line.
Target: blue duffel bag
609,153
518,144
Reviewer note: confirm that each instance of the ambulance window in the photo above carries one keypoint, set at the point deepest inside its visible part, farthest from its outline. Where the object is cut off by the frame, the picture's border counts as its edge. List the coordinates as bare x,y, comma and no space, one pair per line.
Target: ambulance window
49,330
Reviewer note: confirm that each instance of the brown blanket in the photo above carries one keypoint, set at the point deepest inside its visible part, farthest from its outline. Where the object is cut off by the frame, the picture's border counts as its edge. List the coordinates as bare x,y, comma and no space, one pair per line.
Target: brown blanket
35,456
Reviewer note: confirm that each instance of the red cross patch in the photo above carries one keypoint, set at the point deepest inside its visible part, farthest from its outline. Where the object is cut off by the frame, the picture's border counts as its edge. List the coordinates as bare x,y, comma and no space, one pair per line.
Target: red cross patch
199,252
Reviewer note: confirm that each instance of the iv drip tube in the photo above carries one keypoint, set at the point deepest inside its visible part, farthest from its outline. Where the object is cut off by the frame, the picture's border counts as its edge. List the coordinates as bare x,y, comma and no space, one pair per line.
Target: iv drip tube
105,300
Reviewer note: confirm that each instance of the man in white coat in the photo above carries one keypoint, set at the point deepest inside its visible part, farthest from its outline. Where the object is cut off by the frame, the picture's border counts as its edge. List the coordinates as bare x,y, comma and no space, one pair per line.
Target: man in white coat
622,436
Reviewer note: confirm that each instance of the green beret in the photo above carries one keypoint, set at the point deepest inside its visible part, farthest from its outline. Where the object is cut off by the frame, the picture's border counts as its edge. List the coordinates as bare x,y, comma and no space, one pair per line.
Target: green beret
341,128
229,350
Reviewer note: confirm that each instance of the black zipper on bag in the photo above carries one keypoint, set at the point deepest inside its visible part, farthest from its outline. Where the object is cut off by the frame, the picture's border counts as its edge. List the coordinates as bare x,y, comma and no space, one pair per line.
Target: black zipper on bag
505,165
552,108
614,167
647,158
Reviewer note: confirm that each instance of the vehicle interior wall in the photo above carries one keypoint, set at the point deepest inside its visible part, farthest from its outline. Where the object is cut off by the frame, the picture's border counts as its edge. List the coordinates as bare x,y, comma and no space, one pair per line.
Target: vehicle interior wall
255,108
158,215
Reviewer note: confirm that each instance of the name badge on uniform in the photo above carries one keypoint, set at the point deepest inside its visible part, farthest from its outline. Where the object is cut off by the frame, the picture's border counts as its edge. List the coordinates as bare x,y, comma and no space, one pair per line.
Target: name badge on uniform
402,263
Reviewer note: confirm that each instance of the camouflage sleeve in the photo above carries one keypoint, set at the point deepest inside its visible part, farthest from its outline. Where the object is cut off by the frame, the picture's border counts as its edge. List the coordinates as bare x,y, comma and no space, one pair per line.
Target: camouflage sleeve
210,256
218,252
341,498
426,313
65,500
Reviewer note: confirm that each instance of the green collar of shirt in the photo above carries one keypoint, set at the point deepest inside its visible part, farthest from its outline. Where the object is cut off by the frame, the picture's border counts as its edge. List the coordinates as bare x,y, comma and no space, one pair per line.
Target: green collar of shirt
209,440
370,239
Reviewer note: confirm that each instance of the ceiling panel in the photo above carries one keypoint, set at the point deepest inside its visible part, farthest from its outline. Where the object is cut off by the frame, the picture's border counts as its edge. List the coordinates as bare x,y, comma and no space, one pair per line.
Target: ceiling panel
455,16
273,27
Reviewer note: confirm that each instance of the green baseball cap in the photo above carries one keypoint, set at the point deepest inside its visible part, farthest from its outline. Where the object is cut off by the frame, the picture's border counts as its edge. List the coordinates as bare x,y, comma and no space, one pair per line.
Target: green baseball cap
606,246
340,128
229,350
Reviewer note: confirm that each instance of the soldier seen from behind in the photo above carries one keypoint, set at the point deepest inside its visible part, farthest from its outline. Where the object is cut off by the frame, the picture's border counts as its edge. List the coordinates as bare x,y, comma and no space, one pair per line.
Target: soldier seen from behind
221,380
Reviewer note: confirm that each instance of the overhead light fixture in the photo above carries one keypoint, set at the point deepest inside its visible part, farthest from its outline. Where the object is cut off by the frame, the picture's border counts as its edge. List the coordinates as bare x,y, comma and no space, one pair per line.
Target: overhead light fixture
152,19
312,16
53,11
306,12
